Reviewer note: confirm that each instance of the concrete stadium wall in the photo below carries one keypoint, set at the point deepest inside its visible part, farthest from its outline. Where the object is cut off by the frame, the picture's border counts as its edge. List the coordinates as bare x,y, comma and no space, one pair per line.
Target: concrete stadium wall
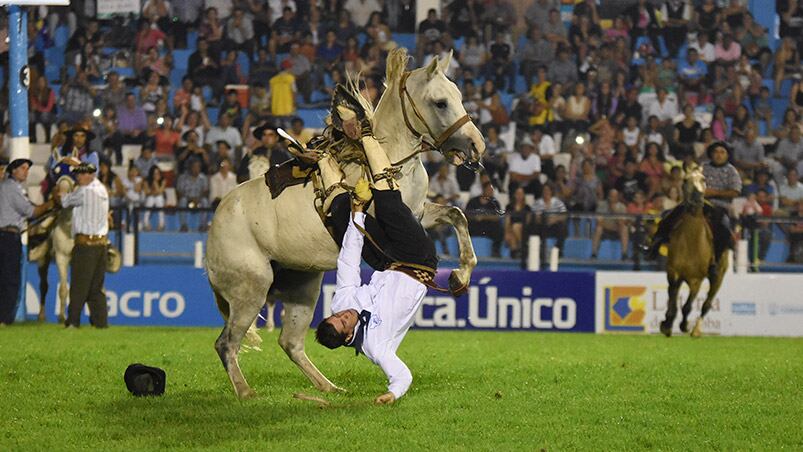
504,300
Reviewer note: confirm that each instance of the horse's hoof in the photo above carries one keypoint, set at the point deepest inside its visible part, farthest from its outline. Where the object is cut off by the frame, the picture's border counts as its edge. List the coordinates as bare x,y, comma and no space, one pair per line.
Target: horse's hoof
246,394
698,329
456,287
666,329
334,389
41,317
684,326
61,319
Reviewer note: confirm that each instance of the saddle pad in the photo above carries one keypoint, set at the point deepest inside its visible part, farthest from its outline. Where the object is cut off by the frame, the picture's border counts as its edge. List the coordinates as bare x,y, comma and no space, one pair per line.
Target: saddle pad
284,175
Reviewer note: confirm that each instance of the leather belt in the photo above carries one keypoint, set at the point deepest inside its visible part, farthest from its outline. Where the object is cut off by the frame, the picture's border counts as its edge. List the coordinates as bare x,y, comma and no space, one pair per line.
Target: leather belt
10,229
90,240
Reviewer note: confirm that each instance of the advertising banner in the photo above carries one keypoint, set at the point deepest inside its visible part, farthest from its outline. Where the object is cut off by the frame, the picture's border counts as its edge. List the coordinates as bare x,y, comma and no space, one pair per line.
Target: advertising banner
636,302
109,7
497,300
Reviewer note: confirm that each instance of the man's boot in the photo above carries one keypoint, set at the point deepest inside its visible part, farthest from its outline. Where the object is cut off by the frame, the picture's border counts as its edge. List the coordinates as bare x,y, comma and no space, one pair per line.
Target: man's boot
382,171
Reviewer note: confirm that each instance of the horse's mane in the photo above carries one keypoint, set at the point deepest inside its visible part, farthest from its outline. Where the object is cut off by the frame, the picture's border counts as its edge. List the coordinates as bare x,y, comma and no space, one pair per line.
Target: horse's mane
396,64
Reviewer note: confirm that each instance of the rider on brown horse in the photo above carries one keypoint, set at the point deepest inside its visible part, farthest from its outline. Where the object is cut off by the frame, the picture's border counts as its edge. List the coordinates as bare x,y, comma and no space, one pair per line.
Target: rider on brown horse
723,184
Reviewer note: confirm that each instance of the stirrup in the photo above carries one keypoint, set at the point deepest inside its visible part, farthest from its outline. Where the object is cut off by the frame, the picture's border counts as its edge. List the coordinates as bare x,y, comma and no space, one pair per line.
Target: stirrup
392,174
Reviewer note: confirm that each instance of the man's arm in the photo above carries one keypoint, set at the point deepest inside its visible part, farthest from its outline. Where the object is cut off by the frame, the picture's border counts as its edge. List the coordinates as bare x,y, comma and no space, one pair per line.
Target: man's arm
348,265
399,377
73,199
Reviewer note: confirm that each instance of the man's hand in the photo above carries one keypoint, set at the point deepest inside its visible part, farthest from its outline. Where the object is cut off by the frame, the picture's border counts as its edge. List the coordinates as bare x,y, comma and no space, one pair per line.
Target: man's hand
385,399
363,191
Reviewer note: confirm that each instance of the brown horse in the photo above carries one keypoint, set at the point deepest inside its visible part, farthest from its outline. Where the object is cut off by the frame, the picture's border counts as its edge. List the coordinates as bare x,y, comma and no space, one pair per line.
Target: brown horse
691,254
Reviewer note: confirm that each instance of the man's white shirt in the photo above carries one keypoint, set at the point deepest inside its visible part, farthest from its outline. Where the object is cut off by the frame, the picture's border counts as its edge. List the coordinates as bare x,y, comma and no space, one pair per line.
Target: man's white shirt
91,209
392,298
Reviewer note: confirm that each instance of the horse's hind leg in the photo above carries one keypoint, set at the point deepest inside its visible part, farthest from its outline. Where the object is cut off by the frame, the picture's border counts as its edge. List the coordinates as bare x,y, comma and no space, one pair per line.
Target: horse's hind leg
671,306
694,288
715,284
244,293
299,292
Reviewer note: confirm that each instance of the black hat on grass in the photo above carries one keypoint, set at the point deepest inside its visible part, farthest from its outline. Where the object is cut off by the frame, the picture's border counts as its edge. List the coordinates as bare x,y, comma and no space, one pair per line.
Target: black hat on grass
142,380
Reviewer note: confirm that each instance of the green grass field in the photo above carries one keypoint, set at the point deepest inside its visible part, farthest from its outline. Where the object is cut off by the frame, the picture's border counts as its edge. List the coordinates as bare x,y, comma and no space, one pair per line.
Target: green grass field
480,391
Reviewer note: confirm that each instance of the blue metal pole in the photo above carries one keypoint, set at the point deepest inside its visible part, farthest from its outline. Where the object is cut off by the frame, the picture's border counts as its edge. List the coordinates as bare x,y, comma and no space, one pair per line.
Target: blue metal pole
19,79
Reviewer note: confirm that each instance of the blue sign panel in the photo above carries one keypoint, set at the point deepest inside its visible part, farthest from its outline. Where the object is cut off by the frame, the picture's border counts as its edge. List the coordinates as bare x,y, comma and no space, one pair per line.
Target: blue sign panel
496,300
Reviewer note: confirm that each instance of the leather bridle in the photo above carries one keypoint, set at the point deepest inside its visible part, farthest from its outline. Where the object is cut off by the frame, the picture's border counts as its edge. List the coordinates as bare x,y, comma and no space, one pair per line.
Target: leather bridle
445,135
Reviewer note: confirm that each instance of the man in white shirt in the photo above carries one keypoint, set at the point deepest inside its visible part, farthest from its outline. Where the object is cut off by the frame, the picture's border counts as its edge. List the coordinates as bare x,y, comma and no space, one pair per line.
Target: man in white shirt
90,225
374,318
224,132
221,183
524,168
545,147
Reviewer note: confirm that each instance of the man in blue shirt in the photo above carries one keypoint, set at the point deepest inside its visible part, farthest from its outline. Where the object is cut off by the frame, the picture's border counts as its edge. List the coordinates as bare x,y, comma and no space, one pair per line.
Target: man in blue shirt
692,72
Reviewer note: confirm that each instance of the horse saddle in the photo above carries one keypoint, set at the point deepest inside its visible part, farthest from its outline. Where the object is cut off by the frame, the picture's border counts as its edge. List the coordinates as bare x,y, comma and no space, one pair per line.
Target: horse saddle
286,174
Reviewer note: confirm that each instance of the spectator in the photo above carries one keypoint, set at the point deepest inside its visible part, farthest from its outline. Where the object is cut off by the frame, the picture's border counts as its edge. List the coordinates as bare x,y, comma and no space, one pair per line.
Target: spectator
483,220
524,168
549,220
787,63
182,97
145,161
676,15
576,116
631,181
473,56
193,191
134,193
628,107
795,234
224,131
192,150
263,68
665,109
653,134
762,182
563,70
231,107
42,101
204,68
131,120
791,193
790,150
77,98
609,228
301,67
686,133
692,73
114,94
240,31
644,21
298,131
230,71
537,14
154,191
444,184
221,183
555,30
285,31
535,52
516,217
221,153
652,166
283,91
586,189
499,17
727,51
431,28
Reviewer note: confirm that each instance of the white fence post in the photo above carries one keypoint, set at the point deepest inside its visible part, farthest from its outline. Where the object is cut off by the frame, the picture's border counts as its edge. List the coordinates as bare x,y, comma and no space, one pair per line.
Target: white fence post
554,258
199,254
128,249
534,253
741,257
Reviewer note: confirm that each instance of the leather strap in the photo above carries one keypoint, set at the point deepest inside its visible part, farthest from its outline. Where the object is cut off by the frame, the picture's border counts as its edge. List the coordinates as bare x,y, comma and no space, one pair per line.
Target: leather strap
445,135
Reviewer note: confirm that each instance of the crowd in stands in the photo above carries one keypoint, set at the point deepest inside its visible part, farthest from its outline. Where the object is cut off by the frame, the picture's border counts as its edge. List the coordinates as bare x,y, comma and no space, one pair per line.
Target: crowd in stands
584,114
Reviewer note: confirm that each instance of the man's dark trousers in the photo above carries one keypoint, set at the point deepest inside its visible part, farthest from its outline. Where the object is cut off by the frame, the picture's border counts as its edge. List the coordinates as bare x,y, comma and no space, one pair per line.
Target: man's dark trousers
395,229
10,255
86,285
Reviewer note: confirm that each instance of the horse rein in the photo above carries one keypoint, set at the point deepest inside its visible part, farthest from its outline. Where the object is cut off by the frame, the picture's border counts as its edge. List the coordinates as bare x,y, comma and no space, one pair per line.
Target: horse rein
405,94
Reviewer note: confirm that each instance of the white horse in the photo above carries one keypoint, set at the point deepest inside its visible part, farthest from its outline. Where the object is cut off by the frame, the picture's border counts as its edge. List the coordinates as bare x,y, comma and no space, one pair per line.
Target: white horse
58,245
260,247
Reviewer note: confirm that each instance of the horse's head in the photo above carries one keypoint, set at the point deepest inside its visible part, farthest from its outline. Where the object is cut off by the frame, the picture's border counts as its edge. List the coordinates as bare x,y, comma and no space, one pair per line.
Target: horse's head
693,183
65,184
433,109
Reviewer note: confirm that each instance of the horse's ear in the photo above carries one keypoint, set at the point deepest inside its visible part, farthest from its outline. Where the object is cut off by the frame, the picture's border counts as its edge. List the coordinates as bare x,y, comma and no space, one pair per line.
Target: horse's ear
445,62
432,69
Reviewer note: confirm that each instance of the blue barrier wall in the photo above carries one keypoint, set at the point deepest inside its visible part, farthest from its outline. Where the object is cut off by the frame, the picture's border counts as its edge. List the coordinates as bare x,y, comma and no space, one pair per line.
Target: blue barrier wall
497,300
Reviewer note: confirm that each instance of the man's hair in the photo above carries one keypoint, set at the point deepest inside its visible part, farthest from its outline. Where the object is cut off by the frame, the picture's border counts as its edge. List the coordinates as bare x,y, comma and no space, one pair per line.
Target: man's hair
327,335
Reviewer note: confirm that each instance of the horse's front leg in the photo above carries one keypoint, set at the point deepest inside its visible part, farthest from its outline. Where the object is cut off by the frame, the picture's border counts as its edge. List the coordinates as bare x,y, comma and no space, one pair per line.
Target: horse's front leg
436,214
